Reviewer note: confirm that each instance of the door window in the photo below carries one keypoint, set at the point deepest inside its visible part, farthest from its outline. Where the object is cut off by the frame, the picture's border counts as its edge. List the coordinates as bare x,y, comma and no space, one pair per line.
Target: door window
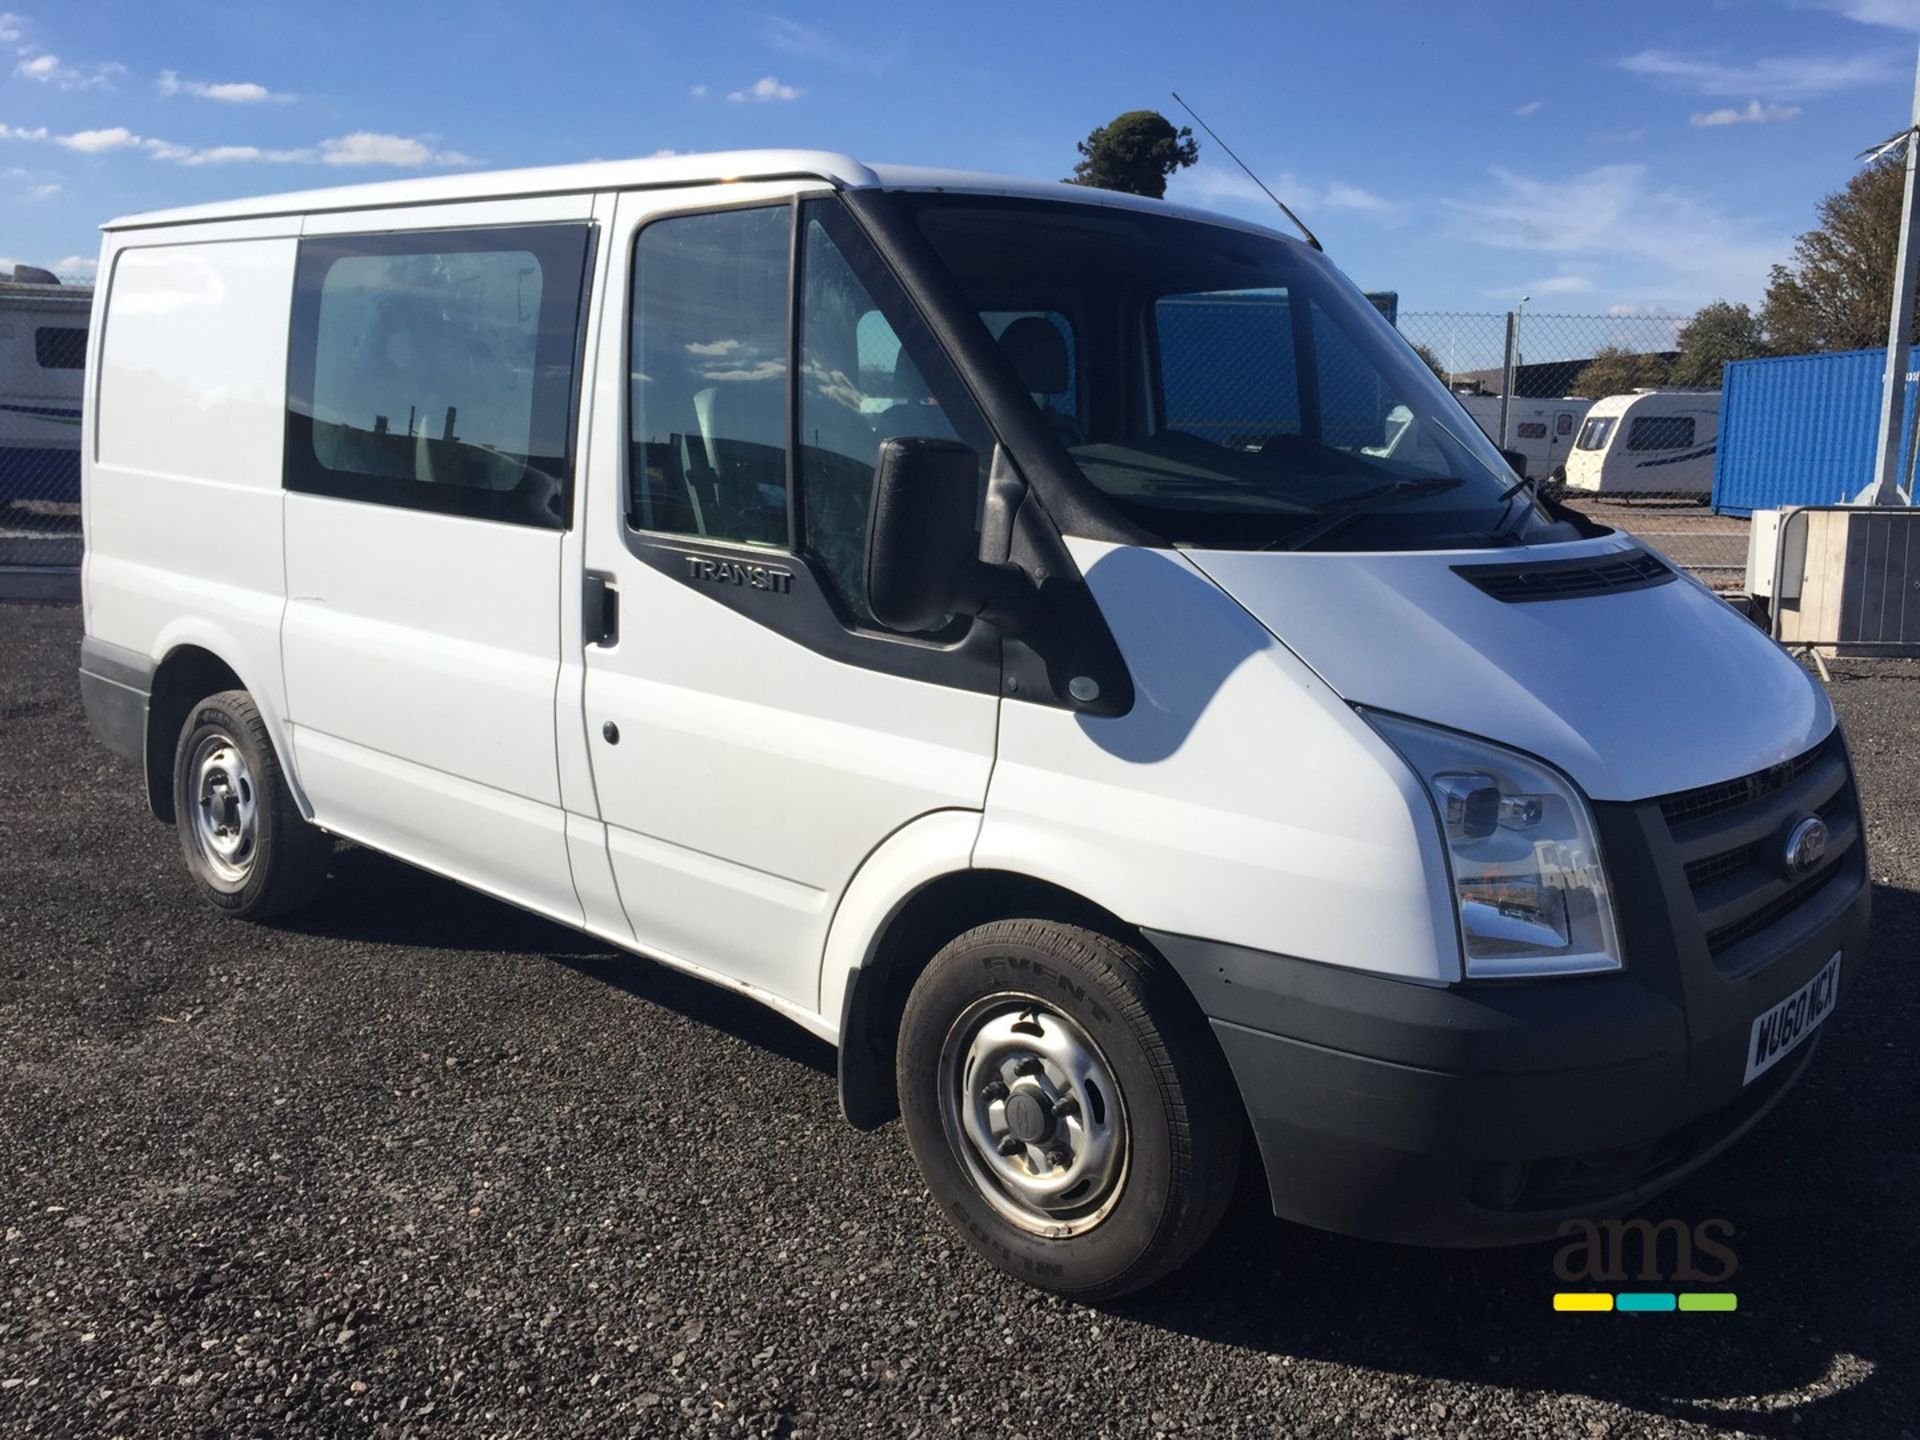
435,370
709,376
1563,424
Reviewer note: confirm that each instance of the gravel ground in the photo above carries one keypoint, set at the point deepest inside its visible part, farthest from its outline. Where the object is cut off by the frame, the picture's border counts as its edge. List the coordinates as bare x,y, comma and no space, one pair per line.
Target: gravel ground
420,1164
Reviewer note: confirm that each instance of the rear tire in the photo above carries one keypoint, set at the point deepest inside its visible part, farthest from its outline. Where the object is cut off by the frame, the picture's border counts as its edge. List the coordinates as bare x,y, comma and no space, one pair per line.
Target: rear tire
248,848
1068,1106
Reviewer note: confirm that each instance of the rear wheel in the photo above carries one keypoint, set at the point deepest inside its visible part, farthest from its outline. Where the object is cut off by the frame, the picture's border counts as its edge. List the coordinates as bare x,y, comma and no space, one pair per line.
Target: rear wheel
1068,1106
247,846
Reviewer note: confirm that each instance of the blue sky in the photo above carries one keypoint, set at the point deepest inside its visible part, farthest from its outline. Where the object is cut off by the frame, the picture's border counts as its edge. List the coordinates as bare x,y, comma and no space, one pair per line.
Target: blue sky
1601,158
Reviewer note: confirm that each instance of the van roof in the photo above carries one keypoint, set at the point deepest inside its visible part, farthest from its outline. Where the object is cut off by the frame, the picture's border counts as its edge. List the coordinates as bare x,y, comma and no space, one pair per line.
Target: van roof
655,172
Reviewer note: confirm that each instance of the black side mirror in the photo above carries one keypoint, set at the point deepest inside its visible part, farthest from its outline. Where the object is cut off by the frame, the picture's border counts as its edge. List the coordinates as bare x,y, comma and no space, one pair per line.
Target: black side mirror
923,545
1515,461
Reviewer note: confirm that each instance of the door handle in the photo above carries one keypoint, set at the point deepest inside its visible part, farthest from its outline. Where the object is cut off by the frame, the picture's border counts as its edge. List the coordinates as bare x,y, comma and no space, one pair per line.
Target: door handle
600,609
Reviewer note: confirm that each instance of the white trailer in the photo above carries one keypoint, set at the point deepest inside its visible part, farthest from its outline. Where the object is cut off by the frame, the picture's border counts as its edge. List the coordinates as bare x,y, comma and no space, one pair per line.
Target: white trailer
43,347
1542,430
1652,442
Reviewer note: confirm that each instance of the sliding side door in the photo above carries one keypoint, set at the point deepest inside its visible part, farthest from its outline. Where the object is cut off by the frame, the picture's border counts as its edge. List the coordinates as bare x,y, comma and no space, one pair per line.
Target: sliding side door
430,448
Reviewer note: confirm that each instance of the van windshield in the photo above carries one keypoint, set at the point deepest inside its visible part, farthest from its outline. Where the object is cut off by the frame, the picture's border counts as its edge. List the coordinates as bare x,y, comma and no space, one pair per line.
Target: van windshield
1220,387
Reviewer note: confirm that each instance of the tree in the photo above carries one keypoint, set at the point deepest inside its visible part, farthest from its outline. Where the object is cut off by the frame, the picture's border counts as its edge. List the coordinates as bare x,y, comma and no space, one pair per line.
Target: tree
1837,291
1716,334
1433,362
1135,153
1614,371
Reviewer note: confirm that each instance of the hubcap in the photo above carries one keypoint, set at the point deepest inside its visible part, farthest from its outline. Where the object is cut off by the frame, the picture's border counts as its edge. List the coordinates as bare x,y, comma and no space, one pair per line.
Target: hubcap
1030,1104
223,811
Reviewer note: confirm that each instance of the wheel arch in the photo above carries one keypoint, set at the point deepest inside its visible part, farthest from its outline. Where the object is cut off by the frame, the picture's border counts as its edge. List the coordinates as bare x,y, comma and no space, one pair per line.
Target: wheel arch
190,670
872,993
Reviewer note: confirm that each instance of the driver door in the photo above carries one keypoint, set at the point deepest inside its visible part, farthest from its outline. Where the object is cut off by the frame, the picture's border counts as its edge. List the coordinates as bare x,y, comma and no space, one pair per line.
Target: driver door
753,733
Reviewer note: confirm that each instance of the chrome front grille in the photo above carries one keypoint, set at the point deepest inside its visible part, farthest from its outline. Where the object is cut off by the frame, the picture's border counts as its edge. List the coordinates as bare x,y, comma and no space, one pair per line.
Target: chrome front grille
1731,839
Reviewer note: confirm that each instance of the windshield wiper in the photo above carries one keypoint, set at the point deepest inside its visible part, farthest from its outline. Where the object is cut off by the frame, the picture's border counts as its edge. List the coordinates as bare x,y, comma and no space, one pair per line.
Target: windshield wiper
1358,504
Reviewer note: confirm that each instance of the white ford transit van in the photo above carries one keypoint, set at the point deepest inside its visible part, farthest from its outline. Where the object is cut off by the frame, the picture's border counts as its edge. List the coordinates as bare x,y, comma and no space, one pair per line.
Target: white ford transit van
971,618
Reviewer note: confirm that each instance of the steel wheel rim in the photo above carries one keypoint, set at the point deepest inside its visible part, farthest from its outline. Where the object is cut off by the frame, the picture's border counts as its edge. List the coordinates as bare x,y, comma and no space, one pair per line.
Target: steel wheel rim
225,815
1030,1105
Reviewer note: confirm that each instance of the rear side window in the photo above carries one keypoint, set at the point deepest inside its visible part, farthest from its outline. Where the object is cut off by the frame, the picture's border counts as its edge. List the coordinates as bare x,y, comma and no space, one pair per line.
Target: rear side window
1660,432
435,370
60,347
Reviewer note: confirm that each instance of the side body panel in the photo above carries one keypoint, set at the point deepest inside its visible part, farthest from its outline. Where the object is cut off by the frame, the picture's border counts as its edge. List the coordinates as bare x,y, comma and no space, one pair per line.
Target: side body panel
1240,799
181,458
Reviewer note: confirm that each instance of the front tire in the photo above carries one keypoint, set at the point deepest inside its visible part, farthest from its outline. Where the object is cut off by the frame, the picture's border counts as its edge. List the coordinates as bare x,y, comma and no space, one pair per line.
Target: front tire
1068,1106
248,848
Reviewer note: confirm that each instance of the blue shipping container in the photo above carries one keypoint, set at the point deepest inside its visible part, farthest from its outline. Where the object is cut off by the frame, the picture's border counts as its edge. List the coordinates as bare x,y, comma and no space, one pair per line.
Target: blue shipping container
1800,430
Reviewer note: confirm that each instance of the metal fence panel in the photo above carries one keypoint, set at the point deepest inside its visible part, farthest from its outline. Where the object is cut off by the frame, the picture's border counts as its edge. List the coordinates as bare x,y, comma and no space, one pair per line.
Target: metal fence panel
1801,430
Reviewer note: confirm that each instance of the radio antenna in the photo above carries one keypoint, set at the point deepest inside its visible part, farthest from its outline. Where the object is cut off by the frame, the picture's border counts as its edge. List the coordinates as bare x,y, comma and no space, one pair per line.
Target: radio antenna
1312,239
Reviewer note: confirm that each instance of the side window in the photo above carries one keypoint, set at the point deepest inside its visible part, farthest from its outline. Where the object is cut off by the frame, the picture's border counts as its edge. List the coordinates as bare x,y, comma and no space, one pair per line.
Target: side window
1660,432
708,376
435,370
60,347
1563,424
868,373
1531,430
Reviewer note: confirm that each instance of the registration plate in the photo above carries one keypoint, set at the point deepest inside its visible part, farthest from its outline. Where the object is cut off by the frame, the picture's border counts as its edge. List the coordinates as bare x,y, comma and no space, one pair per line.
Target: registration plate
1787,1025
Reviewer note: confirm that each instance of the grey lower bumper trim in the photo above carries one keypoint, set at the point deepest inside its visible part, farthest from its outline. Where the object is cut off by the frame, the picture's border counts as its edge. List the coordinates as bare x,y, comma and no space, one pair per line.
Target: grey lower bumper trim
115,685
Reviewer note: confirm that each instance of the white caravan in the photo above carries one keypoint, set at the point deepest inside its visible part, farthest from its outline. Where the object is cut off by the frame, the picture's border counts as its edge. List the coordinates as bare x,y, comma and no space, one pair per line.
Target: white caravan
950,611
1653,442
1541,431
43,344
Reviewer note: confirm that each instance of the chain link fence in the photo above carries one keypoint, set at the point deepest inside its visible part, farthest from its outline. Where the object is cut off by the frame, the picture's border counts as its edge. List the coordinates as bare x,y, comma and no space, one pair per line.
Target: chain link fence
1565,393
43,347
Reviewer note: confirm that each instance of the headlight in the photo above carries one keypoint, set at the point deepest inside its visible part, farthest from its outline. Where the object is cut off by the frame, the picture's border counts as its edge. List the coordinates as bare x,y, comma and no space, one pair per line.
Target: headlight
1527,877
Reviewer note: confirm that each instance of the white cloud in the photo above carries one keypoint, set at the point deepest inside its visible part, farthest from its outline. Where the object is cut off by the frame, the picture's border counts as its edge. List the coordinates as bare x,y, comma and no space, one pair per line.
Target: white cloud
1895,14
367,147
75,265
1778,75
1531,107
1217,188
13,28
232,92
363,147
44,192
699,92
1753,114
1613,214
48,70
765,88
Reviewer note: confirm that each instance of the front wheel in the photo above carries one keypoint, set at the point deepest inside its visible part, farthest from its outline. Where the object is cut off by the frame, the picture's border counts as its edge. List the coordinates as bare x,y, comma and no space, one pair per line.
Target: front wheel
1067,1105
247,846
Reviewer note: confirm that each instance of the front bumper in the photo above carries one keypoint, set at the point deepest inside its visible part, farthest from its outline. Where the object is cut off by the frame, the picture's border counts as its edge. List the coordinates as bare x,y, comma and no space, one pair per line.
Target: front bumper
1484,1114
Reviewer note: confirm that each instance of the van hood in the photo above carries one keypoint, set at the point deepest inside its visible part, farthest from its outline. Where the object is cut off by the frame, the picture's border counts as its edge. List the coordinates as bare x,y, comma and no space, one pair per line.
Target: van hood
1632,692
